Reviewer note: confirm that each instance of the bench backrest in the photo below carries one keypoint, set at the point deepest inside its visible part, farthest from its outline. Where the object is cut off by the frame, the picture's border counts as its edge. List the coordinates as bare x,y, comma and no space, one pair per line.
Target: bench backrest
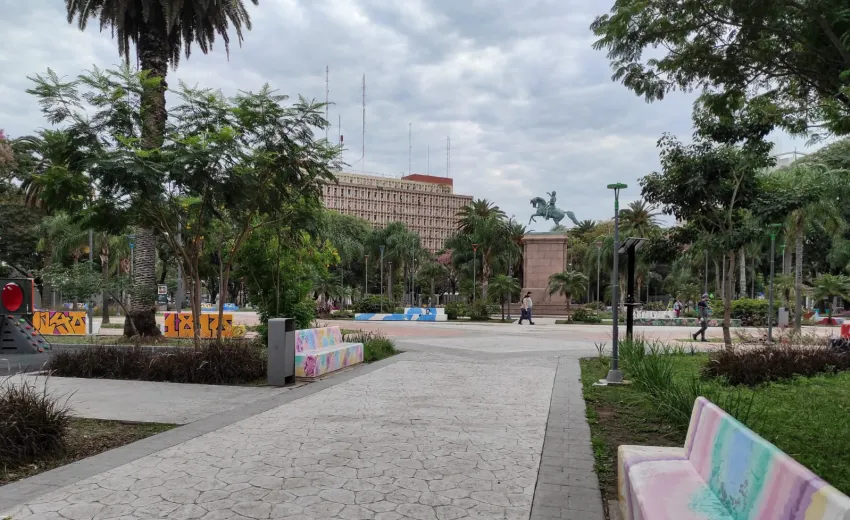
754,479
425,310
314,339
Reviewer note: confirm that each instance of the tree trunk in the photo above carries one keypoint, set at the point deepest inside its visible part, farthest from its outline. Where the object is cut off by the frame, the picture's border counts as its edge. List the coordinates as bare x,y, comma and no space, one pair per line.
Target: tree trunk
153,53
742,274
786,261
485,275
798,282
104,268
727,301
717,286
142,298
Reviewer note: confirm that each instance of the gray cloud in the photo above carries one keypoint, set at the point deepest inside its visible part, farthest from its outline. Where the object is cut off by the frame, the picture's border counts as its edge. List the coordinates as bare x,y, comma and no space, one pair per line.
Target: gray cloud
529,106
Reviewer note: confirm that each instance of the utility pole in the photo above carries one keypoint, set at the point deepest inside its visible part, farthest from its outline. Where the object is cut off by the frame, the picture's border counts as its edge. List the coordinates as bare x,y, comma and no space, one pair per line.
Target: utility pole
363,156
327,99
615,376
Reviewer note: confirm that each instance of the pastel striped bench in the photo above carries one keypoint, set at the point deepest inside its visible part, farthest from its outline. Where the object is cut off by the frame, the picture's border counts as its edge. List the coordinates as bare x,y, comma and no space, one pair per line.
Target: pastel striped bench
725,471
322,351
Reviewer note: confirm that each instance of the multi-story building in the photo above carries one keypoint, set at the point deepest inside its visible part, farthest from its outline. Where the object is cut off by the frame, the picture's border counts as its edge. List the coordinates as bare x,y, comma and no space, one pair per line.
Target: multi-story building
425,203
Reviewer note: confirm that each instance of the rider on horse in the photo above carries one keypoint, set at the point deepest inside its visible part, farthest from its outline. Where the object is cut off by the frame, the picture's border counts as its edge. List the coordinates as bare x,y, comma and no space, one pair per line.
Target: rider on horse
551,203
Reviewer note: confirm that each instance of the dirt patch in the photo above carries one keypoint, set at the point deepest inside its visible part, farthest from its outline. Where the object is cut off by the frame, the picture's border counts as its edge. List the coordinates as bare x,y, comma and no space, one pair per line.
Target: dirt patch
85,438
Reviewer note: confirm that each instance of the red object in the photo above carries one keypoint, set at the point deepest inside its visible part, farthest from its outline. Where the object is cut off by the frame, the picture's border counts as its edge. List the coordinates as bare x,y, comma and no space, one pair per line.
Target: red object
845,330
418,177
475,247
12,297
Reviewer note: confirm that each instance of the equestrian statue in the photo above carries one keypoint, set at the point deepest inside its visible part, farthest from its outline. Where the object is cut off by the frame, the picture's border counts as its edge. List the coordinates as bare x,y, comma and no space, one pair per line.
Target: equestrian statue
549,211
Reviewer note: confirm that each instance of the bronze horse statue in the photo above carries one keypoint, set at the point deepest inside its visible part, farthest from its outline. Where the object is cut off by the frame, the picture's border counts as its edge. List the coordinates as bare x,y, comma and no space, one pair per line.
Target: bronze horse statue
543,209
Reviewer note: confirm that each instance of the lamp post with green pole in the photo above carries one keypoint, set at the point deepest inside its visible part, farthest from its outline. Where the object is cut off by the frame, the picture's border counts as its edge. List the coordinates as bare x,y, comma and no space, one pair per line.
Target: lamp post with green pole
774,228
615,376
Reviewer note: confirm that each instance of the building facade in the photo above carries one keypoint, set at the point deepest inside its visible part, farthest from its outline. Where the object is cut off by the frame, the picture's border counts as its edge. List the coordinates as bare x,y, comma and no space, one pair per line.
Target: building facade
425,203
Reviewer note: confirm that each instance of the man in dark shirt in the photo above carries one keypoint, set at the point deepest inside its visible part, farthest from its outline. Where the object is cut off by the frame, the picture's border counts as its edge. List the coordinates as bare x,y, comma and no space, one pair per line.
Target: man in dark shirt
702,310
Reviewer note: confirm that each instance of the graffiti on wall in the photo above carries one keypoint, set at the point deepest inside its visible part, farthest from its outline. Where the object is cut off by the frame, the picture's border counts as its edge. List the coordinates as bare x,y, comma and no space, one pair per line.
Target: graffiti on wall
60,323
181,325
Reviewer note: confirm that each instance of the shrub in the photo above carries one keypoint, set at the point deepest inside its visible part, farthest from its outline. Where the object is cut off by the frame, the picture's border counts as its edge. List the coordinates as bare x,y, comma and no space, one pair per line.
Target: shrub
597,306
376,346
346,314
753,313
455,310
32,423
585,316
754,366
372,304
654,306
230,362
481,310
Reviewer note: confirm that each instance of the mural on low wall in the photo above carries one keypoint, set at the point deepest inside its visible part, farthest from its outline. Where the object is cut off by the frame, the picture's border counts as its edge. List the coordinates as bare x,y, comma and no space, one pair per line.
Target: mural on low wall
60,323
180,325
682,322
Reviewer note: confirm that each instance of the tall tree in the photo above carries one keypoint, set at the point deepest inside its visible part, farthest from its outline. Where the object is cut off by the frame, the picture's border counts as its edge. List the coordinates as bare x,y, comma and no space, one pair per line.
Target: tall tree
160,30
788,58
478,209
710,188
639,219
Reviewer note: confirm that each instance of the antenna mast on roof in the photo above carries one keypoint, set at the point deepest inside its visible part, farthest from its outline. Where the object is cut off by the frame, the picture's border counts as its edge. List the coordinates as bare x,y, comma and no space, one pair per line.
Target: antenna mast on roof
363,156
429,159
327,98
409,146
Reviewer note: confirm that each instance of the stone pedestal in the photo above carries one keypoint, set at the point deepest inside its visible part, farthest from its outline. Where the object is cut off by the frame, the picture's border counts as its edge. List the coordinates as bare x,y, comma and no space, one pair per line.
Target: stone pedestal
544,254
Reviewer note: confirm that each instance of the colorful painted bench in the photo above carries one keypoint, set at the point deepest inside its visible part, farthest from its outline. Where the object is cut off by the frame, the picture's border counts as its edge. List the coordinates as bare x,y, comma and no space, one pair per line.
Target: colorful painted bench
321,351
724,472
410,314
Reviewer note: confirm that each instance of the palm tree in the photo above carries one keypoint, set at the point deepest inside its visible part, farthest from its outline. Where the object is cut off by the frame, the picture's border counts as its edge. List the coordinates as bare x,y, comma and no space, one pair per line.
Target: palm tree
828,287
57,178
480,209
568,284
584,227
504,285
160,30
821,211
431,272
62,237
639,219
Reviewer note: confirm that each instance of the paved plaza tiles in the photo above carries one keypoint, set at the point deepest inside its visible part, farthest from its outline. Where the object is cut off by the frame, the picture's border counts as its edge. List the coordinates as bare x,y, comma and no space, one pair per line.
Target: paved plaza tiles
424,435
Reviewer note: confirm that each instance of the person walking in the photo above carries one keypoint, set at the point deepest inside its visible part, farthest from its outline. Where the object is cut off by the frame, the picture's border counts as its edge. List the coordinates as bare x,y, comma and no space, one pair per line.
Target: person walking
677,308
525,310
702,309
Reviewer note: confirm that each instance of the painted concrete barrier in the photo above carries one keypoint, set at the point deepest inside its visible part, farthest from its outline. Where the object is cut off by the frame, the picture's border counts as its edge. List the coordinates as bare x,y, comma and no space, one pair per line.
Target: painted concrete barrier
424,310
181,325
321,351
724,471
682,322
400,317
60,323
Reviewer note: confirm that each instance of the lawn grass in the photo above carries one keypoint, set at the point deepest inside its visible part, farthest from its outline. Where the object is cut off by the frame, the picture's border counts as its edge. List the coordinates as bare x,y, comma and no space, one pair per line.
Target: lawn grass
807,418
85,438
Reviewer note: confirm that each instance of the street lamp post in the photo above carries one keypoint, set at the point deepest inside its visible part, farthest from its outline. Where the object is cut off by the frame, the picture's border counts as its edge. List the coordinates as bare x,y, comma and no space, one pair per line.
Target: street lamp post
510,267
390,280
598,264
382,279
366,274
615,376
705,288
474,254
773,229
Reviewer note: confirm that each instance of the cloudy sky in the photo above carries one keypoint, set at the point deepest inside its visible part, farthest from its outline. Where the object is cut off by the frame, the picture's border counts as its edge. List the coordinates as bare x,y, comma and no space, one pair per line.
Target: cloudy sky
528,104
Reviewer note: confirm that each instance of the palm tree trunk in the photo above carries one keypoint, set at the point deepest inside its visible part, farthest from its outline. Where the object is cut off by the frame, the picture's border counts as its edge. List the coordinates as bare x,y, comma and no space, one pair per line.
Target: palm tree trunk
152,50
485,275
729,283
798,281
104,267
786,261
742,277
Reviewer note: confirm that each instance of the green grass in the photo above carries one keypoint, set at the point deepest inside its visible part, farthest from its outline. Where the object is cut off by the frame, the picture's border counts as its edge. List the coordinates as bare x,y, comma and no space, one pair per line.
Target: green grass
807,418
376,346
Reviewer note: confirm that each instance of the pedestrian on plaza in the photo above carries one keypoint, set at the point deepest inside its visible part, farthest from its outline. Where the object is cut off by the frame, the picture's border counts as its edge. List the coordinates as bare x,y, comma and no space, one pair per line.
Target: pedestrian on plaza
677,308
525,310
702,309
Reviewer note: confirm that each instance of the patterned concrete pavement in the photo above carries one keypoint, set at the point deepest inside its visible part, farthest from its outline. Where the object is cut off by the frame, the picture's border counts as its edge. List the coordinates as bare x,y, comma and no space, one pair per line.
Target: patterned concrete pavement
427,437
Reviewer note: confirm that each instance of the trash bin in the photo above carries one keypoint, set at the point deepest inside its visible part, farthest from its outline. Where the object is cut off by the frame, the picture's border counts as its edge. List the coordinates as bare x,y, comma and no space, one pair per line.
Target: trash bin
281,351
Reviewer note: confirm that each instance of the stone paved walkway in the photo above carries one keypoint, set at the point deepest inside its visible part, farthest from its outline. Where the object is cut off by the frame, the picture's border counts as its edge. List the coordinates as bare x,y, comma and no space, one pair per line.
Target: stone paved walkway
429,437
